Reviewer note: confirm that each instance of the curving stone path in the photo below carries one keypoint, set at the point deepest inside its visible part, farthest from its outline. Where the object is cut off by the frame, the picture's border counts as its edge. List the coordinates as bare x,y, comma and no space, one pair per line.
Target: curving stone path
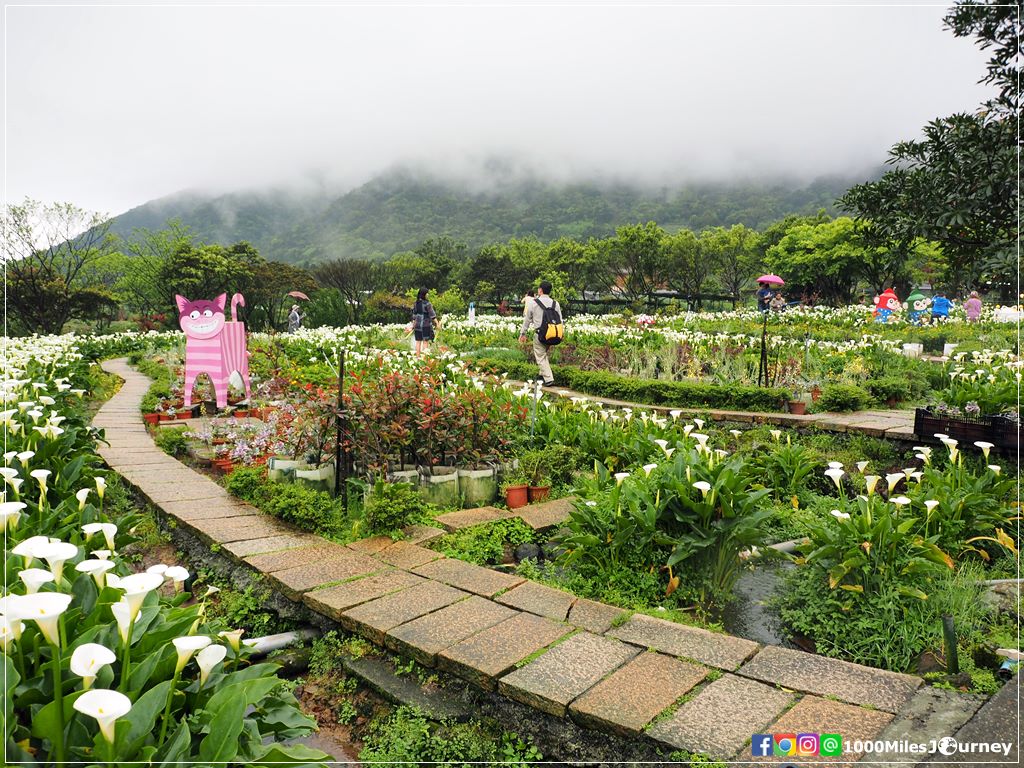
677,686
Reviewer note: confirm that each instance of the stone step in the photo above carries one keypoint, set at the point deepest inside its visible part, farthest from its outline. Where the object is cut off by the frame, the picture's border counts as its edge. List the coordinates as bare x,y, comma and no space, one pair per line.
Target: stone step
851,683
466,518
377,617
540,599
349,565
487,655
720,719
711,648
423,638
469,577
552,680
636,693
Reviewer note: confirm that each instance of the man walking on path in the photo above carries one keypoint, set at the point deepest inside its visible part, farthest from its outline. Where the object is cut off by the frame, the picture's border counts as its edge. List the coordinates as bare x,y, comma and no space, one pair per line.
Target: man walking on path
533,320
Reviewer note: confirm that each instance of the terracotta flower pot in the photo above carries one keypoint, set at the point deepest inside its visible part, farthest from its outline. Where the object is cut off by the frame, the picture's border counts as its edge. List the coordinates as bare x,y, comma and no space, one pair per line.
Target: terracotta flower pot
539,493
167,417
797,407
517,496
241,414
815,394
151,418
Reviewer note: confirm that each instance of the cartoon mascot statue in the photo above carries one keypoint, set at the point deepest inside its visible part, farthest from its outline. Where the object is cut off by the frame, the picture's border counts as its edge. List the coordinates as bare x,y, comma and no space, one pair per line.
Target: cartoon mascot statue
886,306
917,307
213,345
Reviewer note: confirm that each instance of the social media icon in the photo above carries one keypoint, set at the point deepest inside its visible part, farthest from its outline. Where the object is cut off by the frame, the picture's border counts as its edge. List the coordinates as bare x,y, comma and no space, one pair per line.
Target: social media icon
830,745
807,744
785,743
761,745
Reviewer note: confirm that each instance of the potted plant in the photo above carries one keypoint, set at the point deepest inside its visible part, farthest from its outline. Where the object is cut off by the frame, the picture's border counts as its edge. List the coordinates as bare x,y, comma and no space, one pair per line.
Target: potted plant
151,418
440,486
516,490
535,468
797,405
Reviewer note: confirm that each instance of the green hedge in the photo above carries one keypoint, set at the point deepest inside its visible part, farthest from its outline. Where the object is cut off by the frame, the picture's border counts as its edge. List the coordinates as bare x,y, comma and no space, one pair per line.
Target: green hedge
682,394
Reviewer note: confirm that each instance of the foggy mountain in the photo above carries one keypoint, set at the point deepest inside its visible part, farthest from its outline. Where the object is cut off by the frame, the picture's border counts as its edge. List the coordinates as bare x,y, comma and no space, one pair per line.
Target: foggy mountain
398,210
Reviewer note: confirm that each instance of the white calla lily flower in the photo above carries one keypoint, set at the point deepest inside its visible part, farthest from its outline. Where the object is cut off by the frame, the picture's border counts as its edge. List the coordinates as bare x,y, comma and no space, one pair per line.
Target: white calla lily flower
97,569
10,514
840,515
82,495
892,479
101,488
87,660
188,645
836,475
136,587
620,476
648,468
207,659
34,578
45,609
996,469
234,638
703,486
985,447
106,706
900,501
56,554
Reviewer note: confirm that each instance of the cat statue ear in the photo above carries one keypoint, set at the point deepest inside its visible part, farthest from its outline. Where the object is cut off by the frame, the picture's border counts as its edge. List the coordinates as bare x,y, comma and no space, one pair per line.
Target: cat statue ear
221,301
181,301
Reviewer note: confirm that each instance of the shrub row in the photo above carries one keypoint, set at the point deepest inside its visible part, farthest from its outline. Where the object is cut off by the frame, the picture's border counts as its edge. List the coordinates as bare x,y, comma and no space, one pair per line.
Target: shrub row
683,394
306,508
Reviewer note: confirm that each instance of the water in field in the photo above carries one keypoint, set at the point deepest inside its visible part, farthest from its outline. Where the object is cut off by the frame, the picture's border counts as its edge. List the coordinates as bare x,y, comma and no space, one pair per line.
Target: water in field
748,615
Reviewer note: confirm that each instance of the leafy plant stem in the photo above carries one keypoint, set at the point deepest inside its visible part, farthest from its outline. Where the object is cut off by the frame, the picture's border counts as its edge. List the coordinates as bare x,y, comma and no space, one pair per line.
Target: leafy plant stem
58,695
167,708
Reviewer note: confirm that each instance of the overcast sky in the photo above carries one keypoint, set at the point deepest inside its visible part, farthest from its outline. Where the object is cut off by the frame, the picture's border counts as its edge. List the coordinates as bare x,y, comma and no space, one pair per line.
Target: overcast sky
109,107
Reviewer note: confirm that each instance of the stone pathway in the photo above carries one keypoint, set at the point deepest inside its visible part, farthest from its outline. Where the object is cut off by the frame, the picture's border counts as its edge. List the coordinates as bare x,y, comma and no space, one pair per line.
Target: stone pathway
892,424
676,686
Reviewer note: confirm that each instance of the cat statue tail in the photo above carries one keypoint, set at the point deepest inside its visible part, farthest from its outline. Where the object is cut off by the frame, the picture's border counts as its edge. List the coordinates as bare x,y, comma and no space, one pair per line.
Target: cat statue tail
235,301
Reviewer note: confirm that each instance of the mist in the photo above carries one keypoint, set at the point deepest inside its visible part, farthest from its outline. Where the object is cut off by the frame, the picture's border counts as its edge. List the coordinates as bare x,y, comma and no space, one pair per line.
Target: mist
109,107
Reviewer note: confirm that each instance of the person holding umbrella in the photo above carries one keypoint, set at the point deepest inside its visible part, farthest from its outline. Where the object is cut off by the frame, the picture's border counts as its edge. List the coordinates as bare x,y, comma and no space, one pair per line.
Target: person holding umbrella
764,292
294,317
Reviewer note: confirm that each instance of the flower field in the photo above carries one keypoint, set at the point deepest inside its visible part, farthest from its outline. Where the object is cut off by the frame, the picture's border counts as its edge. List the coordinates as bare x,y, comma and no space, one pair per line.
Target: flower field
669,512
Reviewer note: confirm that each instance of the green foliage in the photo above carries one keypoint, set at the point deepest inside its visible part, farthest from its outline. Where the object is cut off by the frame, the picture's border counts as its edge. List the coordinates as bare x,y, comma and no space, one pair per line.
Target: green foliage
392,506
650,391
843,397
309,509
246,609
406,736
486,544
890,388
786,468
172,441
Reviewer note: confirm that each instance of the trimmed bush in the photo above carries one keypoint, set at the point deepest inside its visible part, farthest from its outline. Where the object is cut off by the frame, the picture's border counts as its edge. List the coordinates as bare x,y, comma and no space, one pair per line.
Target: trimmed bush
394,506
682,394
843,397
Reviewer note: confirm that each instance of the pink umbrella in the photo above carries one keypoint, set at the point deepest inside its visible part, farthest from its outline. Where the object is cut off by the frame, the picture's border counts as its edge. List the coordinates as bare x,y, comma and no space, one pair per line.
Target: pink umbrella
771,279
298,295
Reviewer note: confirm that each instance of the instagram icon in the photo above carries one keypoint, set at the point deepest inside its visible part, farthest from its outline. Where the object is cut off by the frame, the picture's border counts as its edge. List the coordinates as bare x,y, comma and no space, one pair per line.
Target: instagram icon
807,744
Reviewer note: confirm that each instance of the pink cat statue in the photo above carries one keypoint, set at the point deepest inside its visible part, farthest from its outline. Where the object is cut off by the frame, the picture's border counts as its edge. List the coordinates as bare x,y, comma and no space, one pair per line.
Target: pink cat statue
213,345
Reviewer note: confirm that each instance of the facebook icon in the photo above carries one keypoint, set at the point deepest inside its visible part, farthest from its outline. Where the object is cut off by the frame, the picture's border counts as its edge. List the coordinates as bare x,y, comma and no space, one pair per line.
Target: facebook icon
761,745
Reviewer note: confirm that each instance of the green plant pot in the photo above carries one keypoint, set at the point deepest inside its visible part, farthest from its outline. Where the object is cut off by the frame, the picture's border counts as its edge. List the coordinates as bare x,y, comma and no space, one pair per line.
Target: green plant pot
478,487
441,487
282,470
320,479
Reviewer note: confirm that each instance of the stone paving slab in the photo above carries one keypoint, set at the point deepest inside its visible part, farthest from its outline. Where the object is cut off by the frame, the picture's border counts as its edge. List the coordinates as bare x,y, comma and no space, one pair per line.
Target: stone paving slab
371,545
272,562
997,721
161,494
377,617
422,534
593,616
402,554
491,653
241,549
558,676
467,576
226,530
465,518
189,511
333,601
540,599
423,638
158,473
816,715
852,683
138,458
712,648
546,515
720,719
932,713
633,695
302,578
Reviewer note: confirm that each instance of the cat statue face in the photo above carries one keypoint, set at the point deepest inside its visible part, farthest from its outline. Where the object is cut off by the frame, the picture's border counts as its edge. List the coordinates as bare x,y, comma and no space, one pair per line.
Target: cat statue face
201,319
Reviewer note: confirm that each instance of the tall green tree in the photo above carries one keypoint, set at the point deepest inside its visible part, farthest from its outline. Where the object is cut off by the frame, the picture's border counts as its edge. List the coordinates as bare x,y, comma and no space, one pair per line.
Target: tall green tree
686,268
734,255
49,251
957,186
818,260
637,257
